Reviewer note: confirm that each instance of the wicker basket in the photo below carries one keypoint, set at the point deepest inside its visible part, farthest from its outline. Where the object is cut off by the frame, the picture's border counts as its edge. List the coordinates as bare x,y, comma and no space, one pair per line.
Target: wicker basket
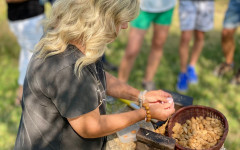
188,112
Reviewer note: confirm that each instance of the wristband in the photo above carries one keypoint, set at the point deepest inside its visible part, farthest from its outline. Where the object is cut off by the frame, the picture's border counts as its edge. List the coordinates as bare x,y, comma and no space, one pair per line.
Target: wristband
141,97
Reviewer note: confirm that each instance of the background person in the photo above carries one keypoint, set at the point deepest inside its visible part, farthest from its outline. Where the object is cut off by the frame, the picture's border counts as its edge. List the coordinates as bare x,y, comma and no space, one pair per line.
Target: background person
24,17
230,24
160,14
196,18
65,87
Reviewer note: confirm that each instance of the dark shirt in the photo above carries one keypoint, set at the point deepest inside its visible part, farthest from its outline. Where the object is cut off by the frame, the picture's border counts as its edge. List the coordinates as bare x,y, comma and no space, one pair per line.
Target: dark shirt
24,10
52,93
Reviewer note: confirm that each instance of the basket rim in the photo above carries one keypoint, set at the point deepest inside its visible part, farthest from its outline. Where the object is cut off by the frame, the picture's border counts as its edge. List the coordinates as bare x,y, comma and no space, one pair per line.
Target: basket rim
223,137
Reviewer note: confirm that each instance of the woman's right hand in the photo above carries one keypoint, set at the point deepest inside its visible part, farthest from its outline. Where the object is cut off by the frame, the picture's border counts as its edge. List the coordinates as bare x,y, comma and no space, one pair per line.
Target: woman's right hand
161,111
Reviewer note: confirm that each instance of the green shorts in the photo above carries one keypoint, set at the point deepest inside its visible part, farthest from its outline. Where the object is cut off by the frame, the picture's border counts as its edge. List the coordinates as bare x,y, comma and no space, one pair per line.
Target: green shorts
144,19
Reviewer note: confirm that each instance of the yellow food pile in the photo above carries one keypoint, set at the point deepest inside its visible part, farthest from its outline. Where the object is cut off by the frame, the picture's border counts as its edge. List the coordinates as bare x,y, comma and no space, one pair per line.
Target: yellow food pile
198,133
162,129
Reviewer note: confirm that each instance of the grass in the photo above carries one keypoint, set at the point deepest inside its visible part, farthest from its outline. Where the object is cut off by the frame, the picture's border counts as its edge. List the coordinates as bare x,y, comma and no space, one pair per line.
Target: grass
210,91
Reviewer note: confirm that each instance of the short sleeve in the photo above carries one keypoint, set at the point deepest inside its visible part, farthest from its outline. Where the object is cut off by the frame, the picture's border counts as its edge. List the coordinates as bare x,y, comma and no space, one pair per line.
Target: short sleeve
75,96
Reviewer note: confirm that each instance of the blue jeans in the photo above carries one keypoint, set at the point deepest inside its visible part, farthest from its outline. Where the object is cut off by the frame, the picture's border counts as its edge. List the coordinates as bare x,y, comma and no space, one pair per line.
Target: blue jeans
232,16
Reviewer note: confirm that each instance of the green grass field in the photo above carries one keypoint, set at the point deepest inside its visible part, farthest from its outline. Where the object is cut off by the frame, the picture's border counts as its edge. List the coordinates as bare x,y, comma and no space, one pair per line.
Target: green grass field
210,91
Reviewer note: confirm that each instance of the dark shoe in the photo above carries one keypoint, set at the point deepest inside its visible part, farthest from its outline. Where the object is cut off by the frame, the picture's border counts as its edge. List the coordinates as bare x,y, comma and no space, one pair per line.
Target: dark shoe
236,79
109,67
150,86
223,69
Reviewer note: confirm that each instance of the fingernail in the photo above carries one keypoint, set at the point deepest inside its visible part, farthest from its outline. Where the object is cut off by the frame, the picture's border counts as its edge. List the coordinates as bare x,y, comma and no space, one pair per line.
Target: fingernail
170,100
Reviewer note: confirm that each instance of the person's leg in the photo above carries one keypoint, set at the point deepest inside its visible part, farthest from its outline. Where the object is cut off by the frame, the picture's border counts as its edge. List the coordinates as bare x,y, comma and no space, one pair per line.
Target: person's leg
159,37
228,45
186,36
136,37
14,27
230,24
19,95
182,83
197,47
203,23
161,21
27,38
228,48
187,17
19,33
196,51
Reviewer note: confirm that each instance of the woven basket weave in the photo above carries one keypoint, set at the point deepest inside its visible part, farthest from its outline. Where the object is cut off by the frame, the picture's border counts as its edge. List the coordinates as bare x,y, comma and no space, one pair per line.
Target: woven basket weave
188,112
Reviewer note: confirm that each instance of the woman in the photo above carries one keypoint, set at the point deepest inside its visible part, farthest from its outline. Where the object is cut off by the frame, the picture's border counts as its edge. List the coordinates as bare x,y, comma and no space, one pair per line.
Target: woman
64,90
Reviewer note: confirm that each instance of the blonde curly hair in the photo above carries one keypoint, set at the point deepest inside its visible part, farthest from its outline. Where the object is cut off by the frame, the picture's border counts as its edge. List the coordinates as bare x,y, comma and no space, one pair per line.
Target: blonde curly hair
91,23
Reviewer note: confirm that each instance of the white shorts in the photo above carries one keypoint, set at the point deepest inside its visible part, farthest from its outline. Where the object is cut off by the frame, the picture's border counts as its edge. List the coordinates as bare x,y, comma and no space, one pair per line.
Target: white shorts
196,15
28,32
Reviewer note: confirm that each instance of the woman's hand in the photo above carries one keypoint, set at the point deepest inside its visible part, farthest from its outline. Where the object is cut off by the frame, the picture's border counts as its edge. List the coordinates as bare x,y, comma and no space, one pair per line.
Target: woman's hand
161,111
157,96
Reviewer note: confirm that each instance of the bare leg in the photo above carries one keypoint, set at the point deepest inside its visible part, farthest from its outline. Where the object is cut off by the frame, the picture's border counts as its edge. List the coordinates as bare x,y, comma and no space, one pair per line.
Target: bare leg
19,95
197,47
134,43
183,50
228,45
159,38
